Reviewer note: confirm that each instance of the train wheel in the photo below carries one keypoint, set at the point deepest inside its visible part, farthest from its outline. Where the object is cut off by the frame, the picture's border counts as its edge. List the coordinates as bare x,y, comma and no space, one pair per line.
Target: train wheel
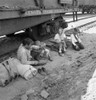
82,12
10,35
41,32
35,33
45,30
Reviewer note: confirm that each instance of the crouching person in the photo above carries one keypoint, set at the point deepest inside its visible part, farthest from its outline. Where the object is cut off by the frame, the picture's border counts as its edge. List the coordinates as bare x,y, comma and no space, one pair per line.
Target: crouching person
76,41
41,51
60,40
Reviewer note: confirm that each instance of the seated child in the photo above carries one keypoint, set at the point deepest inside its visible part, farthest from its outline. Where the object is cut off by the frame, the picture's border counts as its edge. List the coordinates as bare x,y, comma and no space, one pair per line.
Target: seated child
76,41
60,40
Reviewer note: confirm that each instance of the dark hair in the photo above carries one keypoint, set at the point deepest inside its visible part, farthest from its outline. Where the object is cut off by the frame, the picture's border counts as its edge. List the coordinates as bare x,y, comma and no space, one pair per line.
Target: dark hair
77,30
63,24
27,41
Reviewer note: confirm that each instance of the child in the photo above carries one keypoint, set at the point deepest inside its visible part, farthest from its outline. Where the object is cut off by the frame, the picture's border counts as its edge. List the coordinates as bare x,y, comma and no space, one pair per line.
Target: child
76,41
60,40
42,51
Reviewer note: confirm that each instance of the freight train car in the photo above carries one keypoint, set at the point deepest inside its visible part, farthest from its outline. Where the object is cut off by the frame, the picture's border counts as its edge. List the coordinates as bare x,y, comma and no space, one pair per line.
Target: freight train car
88,6
33,16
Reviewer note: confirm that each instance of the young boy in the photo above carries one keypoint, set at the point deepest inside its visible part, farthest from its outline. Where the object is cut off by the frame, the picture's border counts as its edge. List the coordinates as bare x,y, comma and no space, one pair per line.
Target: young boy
76,41
40,48
60,40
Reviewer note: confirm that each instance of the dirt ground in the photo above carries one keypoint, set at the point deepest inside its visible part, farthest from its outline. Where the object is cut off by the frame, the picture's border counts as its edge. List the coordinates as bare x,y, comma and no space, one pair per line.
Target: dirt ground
67,79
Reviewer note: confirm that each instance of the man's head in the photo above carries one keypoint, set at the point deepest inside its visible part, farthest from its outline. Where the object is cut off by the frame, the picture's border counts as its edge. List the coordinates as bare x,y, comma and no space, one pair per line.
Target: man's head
37,43
27,43
76,31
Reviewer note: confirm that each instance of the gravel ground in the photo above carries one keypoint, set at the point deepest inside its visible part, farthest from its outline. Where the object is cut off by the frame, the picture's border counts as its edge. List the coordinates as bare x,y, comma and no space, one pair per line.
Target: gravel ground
67,79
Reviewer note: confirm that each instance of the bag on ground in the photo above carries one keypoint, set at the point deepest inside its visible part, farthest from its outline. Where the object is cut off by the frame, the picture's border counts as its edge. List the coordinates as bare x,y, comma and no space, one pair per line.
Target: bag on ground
4,75
26,71
12,67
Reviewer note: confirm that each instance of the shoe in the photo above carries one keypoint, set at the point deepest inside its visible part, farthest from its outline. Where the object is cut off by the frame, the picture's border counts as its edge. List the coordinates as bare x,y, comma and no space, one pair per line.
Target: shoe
60,54
50,59
42,71
63,51
39,71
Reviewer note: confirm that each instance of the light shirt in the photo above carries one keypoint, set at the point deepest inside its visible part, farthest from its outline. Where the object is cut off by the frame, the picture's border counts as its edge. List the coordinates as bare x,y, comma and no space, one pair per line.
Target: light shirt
59,37
74,40
23,55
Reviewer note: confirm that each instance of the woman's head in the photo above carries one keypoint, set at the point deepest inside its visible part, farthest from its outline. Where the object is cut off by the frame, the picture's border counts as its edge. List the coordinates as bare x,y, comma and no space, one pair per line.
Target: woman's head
60,30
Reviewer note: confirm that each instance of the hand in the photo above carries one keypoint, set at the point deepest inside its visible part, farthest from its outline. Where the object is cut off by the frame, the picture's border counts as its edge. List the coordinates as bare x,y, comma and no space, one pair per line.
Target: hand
57,41
76,46
36,62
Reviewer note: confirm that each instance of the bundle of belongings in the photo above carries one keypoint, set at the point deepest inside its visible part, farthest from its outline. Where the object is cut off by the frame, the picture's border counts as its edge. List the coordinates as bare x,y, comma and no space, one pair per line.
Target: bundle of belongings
11,68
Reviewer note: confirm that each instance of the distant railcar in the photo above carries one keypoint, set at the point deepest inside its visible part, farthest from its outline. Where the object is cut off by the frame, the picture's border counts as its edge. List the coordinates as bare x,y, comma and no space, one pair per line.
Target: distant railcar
88,6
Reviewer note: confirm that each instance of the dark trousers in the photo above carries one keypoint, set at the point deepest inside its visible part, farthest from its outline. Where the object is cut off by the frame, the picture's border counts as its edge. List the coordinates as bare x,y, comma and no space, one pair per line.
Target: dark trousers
78,46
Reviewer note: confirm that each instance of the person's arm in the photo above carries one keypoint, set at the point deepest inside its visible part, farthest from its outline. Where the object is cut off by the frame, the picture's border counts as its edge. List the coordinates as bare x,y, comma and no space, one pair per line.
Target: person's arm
78,38
43,45
25,61
73,39
56,38
63,37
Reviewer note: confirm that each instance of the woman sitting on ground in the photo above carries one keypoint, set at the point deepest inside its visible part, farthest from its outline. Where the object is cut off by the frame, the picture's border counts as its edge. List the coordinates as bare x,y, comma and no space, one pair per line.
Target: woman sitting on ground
60,40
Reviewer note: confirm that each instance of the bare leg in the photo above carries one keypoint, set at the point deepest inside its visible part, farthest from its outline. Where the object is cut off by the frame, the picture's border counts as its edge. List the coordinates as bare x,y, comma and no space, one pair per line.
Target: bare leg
60,49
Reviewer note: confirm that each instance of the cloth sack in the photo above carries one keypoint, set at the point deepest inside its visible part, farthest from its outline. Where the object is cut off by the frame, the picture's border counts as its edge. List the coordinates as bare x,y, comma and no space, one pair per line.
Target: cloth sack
26,71
8,71
12,67
4,75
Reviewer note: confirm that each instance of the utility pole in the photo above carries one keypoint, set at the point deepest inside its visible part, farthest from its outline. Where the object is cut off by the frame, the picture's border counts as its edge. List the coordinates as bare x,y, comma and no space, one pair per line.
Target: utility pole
75,6
73,16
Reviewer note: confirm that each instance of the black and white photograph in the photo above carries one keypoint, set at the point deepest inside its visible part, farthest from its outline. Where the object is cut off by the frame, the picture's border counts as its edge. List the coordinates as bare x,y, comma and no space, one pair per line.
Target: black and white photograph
47,49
